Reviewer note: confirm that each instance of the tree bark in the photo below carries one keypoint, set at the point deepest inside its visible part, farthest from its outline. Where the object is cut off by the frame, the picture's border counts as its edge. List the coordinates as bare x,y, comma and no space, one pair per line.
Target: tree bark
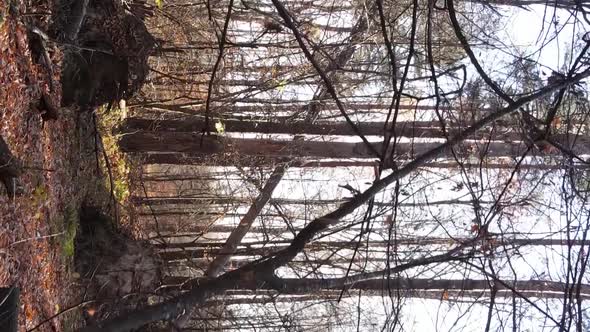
418,129
248,113
542,289
196,144
244,161
283,201
332,245
236,236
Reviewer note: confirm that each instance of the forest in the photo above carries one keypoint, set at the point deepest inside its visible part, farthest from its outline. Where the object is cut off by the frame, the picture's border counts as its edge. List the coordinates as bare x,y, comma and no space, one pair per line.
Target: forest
294,165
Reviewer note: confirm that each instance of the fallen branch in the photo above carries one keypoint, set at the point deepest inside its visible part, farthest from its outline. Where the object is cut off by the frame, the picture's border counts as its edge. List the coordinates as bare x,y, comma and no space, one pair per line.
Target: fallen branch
236,236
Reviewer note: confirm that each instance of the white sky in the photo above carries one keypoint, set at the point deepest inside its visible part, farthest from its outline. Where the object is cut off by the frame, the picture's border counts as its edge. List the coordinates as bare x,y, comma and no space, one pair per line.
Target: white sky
522,30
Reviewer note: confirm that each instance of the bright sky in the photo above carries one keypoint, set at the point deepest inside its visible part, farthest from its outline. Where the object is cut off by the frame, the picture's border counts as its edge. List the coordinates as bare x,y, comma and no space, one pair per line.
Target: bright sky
524,30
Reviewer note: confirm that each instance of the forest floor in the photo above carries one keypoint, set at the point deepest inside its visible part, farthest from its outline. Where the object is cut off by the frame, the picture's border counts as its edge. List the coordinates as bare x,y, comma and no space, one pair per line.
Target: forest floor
60,173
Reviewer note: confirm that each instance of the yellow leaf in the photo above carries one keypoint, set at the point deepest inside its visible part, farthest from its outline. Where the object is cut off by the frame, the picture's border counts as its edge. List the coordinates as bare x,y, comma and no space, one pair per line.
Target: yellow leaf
282,85
40,193
219,127
315,33
159,3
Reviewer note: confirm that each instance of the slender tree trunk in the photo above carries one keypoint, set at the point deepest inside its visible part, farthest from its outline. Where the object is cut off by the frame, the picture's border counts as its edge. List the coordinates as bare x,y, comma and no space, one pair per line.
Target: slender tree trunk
248,112
565,4
332,245
542,289
421,129
218,147
239,232
196,251
283,201
245,161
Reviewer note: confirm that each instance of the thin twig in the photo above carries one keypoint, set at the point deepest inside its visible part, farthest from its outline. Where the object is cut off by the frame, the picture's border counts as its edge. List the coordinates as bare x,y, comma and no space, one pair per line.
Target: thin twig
222,41
68,309
329,86
471,55
36,238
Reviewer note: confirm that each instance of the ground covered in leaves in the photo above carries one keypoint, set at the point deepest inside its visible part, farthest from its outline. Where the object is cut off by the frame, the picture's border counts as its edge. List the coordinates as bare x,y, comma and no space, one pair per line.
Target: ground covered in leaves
60,172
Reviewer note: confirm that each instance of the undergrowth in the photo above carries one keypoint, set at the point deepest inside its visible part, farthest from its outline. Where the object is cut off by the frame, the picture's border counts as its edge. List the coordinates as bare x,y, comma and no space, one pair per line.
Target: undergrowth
70,230
114,165
65,226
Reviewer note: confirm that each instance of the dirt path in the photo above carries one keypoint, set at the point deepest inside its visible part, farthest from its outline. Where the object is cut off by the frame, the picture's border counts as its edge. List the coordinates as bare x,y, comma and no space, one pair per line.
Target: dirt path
37,227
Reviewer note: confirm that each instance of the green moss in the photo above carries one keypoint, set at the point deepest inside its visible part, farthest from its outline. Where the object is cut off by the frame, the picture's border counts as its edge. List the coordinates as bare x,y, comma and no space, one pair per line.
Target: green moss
40,194
70,230
67,226
121,189
119,167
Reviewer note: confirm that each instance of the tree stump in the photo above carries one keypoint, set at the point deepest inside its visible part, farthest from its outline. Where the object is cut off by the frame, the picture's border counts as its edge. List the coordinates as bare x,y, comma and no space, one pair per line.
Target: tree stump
10,168
9,303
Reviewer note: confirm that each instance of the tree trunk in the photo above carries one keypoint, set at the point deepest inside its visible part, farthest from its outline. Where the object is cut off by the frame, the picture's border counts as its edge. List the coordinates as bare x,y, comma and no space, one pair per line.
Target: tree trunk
218,147
252,113
332,245
238,234
194,251
411,287
245,161
421,129
283,201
